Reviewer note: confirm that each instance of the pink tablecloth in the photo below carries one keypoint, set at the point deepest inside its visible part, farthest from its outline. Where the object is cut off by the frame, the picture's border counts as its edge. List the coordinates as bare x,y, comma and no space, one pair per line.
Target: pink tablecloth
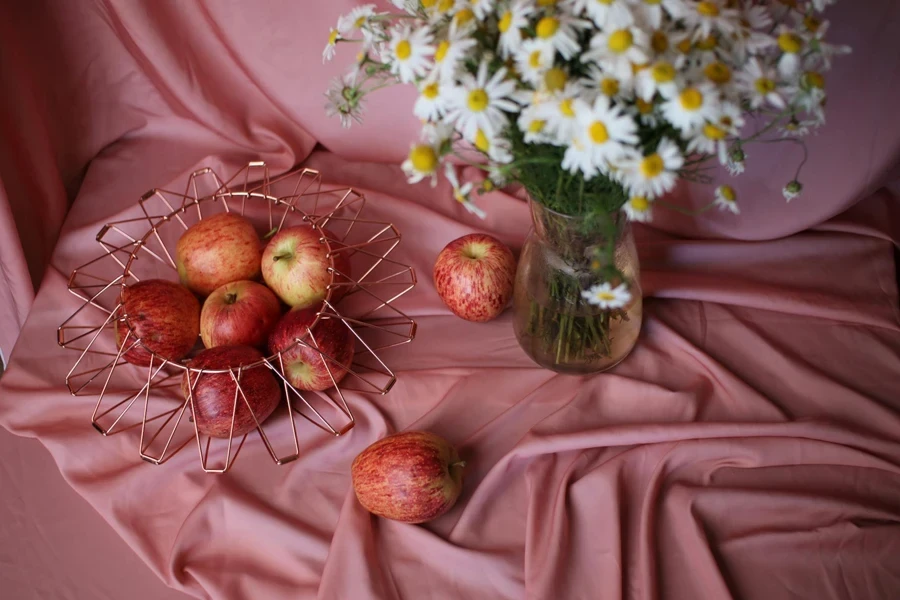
749,448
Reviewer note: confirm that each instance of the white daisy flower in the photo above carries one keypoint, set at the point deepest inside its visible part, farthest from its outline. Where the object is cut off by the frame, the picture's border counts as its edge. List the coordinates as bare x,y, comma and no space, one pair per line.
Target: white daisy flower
462,193
650,13
452,50
410,6
533,126
820,5
409,52
726,199
561,31
511,23
356,19
792,190
750,37
712,137
483,8
603,12
604,134
533,59
334,36
692,107
759,85
479,102
432,101
495,147
656,173
638,208
645,112
797,128
707,17
608,85
559,113
735,167
660,77
616,50
437,134
808,93
422,162
344,99
791,45
607,297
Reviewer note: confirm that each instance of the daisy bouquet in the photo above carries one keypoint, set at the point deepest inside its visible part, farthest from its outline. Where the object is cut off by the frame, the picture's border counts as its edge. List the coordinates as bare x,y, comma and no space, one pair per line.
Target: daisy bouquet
596,107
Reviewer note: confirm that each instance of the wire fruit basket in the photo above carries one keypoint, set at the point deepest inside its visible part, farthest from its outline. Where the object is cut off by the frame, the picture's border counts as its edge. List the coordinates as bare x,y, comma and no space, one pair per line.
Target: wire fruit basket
150,398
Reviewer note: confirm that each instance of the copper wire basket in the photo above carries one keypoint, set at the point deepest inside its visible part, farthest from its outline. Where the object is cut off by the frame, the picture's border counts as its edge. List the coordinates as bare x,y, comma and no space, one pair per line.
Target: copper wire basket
129,397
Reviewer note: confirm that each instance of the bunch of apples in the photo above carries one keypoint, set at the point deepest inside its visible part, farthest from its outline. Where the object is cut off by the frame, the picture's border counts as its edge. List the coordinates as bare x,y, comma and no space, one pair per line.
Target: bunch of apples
220,262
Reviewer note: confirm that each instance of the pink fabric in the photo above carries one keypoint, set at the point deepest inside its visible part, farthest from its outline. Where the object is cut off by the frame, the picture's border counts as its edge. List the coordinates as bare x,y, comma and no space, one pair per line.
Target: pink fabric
749,448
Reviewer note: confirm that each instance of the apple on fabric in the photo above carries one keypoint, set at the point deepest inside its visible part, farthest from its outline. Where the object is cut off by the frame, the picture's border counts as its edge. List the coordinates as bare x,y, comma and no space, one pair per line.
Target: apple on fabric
474,276
411,477
217,250
306,367
165,316
241,313
297,267
214,393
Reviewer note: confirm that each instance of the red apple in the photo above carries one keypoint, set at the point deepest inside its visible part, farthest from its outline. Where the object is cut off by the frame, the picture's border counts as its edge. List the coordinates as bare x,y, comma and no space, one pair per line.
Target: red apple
242,313
411,477
296,266
305,367
214,393
165,317
217,250
474,275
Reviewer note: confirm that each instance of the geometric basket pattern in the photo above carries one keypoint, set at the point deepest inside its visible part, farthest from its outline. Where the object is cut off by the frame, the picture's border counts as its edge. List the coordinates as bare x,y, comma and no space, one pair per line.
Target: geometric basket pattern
129,397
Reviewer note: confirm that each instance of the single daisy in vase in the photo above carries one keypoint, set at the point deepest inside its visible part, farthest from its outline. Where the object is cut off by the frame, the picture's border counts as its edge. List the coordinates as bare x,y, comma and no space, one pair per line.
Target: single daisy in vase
617,50
432,101
452,50
533,59
479,102
760,85
726,199
660,77
604,134
604,12
409,52
511,24
792,45
638,208
606,296
560,31
422,162
656,173
692,107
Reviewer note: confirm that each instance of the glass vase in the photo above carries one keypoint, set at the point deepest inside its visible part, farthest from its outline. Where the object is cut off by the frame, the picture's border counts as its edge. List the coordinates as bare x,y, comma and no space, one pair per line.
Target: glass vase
564,256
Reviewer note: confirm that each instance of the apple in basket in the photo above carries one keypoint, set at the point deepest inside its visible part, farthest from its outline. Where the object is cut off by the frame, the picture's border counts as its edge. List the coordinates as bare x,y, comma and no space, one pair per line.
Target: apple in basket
217,250
412,477
241,313
165,317
474,276
214,393
322,353
296,266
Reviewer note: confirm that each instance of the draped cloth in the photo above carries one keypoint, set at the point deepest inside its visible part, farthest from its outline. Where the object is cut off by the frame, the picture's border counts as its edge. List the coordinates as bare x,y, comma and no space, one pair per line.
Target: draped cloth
748,448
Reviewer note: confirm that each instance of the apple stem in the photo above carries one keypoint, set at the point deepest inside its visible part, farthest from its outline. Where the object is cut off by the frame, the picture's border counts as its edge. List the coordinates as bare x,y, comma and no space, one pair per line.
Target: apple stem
230,298
459,464
278,257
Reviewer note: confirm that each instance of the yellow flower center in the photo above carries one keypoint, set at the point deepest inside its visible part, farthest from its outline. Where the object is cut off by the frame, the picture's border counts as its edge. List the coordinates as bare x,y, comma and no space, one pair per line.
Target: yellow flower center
708,9
333,37
609,86
811,23
717,72
537,126
652,166
478,100
663,72
644,107
598,132
707,43
431,91
423,158
684,46
606,2
445,5
464,16
565,107
487,185
428,3
727,192
652,2
404,49
714,132
764,85
534,59
359,22
659,41
790,43
547,27
555,79
505,22
691,99
620,40
814,79
639,203
482,142
606,296
441,53
547,2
